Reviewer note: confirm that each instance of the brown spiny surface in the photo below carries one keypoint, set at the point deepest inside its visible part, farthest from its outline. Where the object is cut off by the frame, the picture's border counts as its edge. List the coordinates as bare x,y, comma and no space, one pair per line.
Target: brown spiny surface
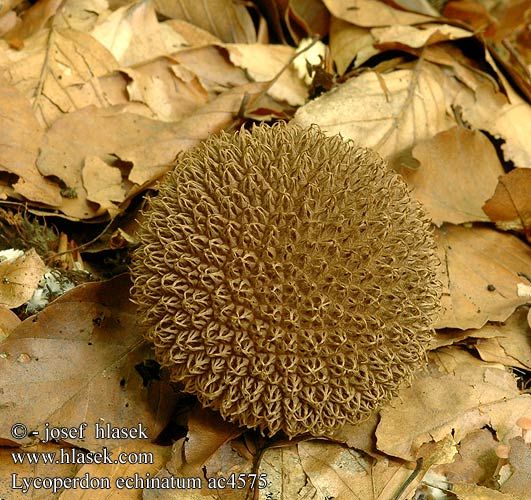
286,279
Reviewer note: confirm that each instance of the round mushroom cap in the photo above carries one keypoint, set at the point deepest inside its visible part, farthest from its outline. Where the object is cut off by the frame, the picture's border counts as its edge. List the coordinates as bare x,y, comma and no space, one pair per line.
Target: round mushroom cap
286,279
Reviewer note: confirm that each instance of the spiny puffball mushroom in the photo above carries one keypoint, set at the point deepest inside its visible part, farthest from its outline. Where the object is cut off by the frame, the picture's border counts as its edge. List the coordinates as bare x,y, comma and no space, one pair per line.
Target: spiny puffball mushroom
286,279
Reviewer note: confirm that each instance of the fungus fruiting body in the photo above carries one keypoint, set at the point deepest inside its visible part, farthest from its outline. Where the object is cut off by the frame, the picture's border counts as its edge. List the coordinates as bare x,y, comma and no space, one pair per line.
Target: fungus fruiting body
286,279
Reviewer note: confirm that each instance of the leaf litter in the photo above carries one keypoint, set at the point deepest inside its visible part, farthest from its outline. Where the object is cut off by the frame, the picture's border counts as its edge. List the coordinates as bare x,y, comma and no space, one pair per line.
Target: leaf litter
98,98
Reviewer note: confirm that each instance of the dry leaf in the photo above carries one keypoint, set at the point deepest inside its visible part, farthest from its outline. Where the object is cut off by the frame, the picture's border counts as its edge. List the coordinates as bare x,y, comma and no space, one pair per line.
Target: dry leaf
30,471
103,184
193,35
34,19
349,44
510,206
509,120
305,18
398,36
507,343
519,484
370,13
133,34
458,171
265,62
472,395
19,147
19,278
476,461
8,322
81,15
106,134
474,492
385,112
60,71
481,270
122,474
75,362
212,67
334,470
207,432
170,91
225,19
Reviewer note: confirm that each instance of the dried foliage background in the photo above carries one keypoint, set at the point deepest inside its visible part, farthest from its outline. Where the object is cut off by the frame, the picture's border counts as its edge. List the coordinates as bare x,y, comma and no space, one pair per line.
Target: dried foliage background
97,97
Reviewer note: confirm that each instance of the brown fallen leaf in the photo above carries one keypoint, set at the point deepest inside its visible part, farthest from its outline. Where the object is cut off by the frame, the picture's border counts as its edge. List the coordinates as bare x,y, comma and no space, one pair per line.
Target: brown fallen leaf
508,118
229,21
34,18
481,272
207,432
468,395
168,89
264,62
19,147
106,134
193,35
507,343
474,492
8,322
369,13
122,477
519,483
75,362
458,171
213,68
133,34
476,460
510,206
305,18
386,112
19,278
399,36
103,184
31,470
349,44
60,71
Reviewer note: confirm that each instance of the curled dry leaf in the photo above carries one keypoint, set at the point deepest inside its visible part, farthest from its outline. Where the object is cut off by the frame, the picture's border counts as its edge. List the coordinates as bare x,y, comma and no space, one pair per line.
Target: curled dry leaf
458,171
510,206
481,270
508,118
349,43
133,34
506,343
34,18
207,432
386,112
19,278
265,62
398,36
231,22
169,90
105,134
370,13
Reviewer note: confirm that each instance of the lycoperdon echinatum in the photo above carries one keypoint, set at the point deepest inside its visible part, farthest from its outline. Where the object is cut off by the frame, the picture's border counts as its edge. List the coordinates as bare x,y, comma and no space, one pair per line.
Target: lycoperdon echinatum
286,278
